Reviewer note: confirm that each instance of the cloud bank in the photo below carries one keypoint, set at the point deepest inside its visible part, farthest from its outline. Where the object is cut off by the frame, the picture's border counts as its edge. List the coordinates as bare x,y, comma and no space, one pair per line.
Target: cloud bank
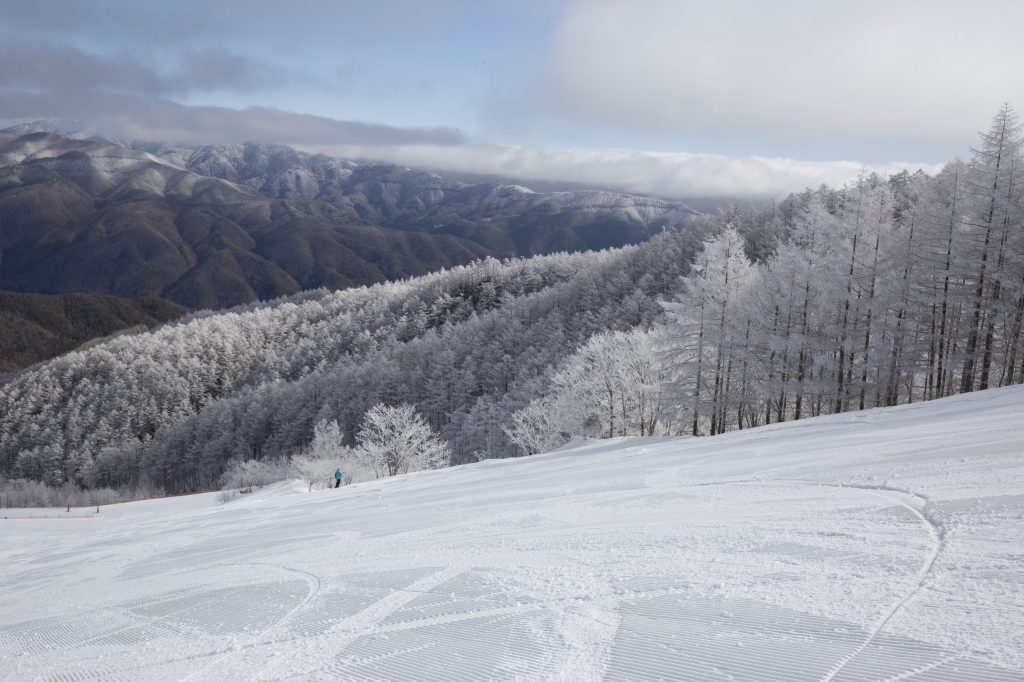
677,175
134,117
681,175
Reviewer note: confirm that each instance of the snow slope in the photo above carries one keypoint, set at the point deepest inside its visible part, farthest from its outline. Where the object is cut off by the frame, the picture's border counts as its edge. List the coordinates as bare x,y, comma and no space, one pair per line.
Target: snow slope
887,545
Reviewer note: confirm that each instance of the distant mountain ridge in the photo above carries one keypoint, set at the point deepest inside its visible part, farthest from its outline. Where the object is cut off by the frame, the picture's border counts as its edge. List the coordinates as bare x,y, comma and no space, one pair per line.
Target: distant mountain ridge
215,226
37,327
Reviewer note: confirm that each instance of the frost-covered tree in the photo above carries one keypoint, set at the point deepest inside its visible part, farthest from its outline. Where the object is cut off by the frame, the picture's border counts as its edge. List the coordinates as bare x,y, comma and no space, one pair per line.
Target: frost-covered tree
707,325
538,427
254,473
328,441
326,454
996,182
613,385
610,386
316,470
395,440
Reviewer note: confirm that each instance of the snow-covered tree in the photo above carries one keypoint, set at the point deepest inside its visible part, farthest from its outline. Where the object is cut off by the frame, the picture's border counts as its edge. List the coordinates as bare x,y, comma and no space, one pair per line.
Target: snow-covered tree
328,441
707,325
538,427
253,473
326,454
395,440
996,182
611,386
317,471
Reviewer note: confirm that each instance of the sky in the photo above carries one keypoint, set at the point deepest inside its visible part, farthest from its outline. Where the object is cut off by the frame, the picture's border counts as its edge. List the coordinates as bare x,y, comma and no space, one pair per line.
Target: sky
736,98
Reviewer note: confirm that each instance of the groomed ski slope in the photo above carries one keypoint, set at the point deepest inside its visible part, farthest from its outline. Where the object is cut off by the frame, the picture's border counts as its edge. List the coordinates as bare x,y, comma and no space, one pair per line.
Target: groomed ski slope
883,545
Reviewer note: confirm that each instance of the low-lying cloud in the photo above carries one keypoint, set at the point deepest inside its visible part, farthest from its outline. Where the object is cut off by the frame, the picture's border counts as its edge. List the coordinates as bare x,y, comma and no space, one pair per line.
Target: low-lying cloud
682,175
676,175
133,117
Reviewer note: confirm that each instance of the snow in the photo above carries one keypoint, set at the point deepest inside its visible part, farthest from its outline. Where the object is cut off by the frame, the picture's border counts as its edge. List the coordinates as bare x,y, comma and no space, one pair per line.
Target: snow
886,544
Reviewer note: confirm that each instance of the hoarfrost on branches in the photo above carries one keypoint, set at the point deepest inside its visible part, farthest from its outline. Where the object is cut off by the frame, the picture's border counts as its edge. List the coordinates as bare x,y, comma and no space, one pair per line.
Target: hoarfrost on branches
396,440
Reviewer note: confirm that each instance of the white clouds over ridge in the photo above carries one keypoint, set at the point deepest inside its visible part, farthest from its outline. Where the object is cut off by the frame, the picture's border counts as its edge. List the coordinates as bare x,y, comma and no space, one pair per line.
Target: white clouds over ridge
684,175
677,175
536,89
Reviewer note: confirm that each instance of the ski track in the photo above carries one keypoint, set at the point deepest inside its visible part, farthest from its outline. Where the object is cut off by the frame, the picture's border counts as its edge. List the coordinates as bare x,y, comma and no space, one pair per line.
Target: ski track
896,496
314,590
876,546
937,532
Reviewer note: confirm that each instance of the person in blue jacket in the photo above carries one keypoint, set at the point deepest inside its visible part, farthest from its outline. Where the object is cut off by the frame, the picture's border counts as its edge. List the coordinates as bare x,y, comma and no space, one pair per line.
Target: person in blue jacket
338,475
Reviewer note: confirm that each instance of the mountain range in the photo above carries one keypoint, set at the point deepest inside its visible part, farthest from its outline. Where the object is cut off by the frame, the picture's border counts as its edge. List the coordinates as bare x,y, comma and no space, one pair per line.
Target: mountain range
36,327
215,226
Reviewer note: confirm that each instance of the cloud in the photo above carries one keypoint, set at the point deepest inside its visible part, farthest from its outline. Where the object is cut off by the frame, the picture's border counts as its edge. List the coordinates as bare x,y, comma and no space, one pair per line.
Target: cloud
147,118
65,68
662,174
220,69
114,21
735,70
801,70
679,175
185,21
68,69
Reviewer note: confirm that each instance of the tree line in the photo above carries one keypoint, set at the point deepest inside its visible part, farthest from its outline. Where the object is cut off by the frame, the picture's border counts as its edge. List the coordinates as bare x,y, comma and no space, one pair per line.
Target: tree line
888,291
465,346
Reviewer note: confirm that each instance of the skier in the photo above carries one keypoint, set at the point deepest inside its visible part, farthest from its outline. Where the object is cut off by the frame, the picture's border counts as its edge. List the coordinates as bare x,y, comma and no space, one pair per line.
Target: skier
337,477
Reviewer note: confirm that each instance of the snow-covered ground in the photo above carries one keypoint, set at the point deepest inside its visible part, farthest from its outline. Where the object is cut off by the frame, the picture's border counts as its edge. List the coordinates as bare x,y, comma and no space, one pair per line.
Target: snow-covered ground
879,545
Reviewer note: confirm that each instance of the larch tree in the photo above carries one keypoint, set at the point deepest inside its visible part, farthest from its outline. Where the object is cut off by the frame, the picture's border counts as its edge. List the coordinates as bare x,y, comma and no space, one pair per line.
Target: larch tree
995,185
706,328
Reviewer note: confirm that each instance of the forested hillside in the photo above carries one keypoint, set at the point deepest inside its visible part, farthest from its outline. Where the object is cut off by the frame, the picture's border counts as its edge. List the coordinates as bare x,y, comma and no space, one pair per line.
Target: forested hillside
466,346
887,291
37,327
210,227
